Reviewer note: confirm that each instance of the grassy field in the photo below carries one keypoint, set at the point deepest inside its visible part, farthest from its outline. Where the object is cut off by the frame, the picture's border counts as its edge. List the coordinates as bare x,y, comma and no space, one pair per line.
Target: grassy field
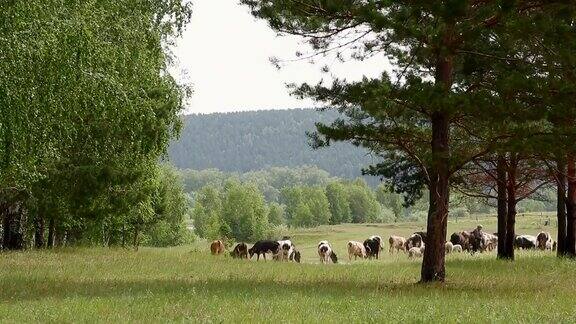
187,284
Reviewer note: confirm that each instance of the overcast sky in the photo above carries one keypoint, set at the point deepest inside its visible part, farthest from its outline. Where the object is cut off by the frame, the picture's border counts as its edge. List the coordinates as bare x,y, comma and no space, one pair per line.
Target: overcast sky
225,53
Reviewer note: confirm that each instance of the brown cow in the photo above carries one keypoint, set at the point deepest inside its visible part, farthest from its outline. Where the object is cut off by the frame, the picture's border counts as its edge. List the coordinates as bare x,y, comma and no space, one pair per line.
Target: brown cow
217,247
397,243
544,241
240,251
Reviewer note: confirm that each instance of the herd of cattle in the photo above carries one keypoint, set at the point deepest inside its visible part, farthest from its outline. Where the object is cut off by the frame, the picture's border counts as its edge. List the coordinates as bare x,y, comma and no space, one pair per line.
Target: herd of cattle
471,241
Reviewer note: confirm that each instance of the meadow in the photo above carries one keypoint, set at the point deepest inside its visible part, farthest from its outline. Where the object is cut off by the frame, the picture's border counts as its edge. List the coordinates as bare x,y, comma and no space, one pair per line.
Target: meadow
188,284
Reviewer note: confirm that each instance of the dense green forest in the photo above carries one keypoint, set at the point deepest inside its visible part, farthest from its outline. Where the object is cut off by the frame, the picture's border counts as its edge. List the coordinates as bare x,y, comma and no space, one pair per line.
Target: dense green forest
261,204
247,141
87,109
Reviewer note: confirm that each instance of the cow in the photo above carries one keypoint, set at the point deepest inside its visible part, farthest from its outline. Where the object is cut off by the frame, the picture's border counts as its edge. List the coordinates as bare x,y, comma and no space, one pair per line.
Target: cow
356,249
423,235
378,238
217,247
263,247
525,242
544,241
476,239
415,252
396,243
489,241
448,247
415,240
295,256
460,238
240,251
457,248
326,253
286,249
372,246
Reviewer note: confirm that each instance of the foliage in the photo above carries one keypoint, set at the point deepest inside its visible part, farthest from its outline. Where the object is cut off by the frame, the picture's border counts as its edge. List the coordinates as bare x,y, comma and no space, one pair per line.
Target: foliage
171,207
236,211
276,214
248,141
339,203
390,200
363,204
87,108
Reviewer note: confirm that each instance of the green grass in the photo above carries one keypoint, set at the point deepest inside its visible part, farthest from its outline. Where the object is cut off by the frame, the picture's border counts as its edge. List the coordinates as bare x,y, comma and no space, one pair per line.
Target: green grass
187,284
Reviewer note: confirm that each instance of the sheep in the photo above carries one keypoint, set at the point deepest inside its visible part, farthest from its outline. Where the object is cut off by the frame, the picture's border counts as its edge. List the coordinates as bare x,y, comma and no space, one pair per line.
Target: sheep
415,252
448,247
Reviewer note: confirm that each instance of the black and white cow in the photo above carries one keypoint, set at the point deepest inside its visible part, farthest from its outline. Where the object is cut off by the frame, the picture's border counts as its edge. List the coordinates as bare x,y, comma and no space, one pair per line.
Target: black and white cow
525,242
372,246
415,240
326,253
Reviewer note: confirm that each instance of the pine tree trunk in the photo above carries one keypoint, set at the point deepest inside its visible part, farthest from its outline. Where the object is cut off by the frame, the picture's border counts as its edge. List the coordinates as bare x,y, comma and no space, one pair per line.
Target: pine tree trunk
433,268
570,243
502,206
511,215
39,232
51,233
561,206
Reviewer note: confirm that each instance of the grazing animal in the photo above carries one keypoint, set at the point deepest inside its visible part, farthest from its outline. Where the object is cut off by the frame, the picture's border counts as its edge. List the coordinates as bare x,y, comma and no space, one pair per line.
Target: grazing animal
326,253
448,247
544,241
415,240
286,249
263,247
240,251
415,252
489,241
554,246
460,238
423,235
525,242
476,239
377,237
356,249
397,243
457,248
295,256
217,247
372,246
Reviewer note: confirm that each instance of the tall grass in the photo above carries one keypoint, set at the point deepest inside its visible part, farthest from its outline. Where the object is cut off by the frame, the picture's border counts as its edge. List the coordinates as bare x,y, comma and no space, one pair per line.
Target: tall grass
188,284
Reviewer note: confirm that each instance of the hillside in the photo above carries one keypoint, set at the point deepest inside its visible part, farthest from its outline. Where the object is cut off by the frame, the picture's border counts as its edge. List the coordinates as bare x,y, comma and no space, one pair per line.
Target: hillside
247,141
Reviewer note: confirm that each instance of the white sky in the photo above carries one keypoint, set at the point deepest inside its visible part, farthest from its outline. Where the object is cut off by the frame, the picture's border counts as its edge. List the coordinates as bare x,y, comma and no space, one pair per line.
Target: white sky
225,53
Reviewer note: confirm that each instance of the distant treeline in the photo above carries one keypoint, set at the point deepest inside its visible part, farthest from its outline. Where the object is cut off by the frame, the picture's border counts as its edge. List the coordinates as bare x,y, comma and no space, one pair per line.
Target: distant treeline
247,141
258,204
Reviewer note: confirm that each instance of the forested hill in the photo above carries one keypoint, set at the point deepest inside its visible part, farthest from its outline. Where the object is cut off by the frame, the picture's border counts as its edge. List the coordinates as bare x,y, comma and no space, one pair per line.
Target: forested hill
245,141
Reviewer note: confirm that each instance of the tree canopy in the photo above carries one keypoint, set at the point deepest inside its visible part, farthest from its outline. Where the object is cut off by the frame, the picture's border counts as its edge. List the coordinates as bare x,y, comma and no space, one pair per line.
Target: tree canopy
87,108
